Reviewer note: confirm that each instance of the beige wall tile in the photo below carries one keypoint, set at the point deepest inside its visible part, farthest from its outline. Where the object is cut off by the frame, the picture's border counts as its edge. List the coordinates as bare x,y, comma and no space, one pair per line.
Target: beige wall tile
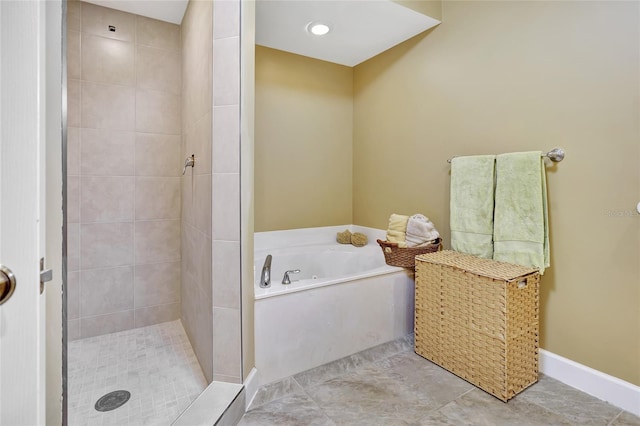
226,75
74,64
158,155
105,60
226,206
197,315
197,88
73,246
104,156
227,379
74,99
73,151
203,259
157,198
157,112
226,19
158,69
73,295
74,15
157,284
107,199
187,262
188,196
188,247
156,314
202,204
73,199
197,318
226,139
107,106
227,351
73,329
197,26
196,265
226,274
105,324
157,241
107,152
106,244
155,33
105,291
201,142
96,20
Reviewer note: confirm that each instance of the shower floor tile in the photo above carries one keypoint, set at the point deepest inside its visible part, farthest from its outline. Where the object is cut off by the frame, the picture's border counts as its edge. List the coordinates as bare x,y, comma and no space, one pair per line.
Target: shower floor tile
156,364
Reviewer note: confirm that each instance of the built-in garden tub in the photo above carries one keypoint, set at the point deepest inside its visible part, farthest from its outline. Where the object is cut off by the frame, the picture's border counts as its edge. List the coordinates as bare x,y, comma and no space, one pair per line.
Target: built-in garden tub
344,299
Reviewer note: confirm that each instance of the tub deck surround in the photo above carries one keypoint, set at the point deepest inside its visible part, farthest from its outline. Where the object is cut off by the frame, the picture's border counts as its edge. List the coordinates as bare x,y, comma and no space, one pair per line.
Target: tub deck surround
320,259
320,265
311,322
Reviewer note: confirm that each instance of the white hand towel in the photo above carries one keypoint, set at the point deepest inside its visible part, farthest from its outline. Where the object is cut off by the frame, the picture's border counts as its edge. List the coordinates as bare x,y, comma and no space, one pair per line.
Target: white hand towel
420,230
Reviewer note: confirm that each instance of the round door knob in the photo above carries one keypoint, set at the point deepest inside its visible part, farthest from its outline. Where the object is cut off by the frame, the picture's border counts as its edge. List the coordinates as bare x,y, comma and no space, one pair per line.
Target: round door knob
7,283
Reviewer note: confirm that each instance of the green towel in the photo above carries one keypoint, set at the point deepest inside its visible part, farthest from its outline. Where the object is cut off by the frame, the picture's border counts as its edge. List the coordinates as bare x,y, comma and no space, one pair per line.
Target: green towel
472,195
521,231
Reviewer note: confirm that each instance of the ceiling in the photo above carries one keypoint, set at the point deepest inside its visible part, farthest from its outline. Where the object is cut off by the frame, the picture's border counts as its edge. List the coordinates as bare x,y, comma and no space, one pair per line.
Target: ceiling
164,10
360,29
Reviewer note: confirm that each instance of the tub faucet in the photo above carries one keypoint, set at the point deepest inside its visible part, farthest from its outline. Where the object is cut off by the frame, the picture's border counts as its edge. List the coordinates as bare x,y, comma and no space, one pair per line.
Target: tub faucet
265,277
285,279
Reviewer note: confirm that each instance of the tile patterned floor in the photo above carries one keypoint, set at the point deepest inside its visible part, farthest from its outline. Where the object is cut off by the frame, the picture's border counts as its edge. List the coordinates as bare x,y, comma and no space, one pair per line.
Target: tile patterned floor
391,385
156,364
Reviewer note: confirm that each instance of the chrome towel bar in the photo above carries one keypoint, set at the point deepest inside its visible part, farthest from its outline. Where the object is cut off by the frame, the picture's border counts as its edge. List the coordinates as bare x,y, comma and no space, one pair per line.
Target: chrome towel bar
556,155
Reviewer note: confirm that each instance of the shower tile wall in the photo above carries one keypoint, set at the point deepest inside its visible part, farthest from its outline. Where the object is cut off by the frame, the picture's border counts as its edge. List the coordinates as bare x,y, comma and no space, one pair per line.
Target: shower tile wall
227,318
124,168
196,292
211,190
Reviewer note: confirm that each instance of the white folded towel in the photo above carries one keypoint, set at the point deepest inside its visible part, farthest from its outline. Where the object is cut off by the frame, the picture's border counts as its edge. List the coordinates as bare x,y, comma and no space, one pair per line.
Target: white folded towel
396,233
420,231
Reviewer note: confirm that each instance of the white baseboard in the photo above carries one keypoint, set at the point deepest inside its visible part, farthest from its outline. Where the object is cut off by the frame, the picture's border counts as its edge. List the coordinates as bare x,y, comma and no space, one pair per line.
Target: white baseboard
603,386
251,386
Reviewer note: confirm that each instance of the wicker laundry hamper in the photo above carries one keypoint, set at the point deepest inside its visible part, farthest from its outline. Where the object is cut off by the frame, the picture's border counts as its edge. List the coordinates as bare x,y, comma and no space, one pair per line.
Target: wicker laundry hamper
478,318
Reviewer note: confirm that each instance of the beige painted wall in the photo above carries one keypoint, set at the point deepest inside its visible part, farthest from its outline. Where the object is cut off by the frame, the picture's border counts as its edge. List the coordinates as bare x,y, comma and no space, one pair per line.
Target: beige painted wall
303,140
511,76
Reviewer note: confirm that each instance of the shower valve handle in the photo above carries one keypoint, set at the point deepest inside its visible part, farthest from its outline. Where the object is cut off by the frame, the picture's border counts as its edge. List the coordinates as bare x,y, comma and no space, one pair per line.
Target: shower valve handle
189,162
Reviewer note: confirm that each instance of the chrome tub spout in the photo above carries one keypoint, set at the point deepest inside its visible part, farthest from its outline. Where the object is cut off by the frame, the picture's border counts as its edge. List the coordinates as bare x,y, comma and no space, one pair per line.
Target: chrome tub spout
265,277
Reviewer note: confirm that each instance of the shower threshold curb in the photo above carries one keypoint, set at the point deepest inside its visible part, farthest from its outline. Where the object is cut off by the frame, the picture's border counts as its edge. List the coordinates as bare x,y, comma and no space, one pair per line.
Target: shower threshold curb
212,405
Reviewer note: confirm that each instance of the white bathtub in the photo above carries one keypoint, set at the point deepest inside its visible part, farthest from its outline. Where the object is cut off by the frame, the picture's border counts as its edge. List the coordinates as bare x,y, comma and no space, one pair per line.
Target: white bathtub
345,299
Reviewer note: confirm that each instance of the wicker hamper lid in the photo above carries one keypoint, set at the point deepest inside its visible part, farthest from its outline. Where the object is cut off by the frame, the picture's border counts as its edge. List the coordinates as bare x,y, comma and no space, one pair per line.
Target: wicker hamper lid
477,265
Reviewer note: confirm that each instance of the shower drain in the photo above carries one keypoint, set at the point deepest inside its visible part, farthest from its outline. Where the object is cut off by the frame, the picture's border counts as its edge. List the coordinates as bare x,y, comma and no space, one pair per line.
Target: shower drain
113,400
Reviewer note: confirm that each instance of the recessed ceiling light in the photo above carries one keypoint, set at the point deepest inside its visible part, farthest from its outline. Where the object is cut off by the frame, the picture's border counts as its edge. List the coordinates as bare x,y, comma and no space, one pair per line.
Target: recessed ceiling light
318,28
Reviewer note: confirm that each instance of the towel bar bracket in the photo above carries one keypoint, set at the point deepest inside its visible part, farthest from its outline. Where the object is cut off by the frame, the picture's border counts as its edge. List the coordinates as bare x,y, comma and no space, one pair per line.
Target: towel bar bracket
556,155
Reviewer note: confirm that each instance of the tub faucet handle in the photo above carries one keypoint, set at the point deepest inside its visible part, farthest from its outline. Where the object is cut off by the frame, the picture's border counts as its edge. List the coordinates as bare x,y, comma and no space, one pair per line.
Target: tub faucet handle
285,279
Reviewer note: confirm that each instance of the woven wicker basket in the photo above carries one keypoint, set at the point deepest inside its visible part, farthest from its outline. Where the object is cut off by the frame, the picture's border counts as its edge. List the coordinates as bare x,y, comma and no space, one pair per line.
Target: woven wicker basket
406,257
478,318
